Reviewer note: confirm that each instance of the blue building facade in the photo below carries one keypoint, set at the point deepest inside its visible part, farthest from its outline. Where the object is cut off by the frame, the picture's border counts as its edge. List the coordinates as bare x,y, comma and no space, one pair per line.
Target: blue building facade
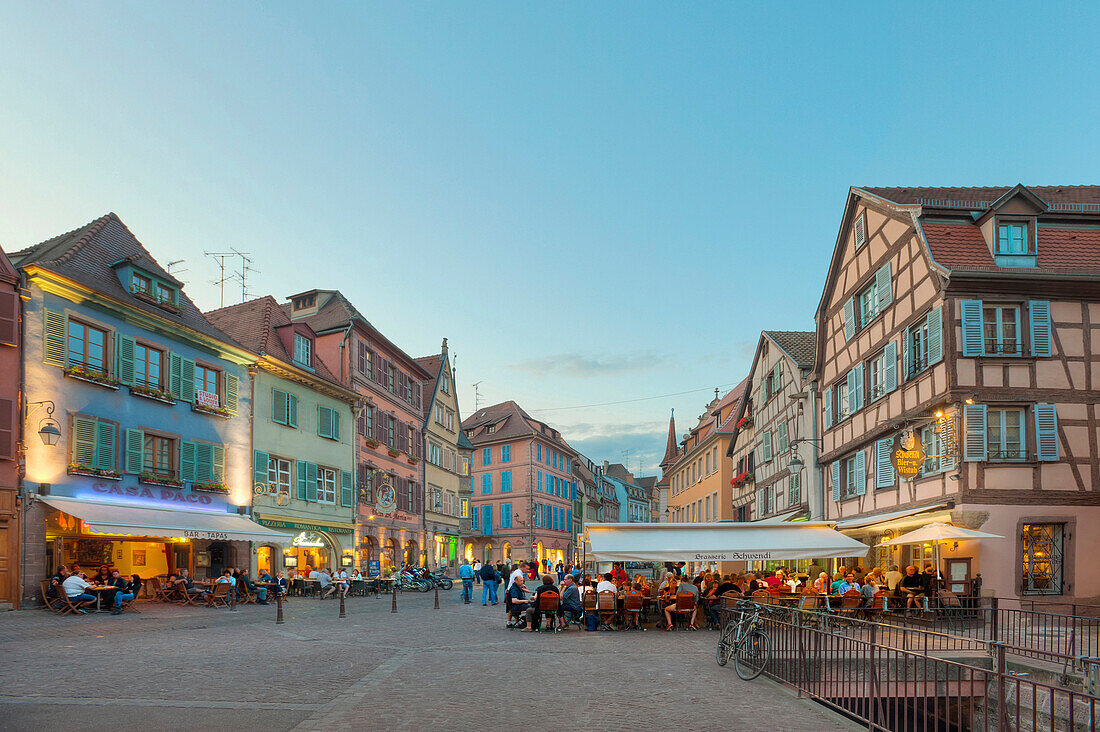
152,470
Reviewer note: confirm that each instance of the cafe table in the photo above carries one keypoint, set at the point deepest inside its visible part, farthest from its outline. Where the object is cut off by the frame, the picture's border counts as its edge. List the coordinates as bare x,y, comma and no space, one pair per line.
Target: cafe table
99,591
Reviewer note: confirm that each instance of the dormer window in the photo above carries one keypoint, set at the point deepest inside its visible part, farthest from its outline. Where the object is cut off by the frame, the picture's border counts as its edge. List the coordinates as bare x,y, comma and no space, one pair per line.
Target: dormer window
303,350
166,294
306,301
139,283
1012,238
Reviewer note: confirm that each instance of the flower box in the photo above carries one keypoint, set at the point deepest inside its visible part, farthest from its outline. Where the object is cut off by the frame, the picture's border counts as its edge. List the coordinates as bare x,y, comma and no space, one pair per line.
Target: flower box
212,411
744,422
157,479
90,472
413,461
210,487
92,376
393,453
741,479
155,395
372,444
153,300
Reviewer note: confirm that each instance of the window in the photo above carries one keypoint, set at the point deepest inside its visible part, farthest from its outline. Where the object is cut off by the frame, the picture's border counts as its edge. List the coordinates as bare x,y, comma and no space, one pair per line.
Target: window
327,480
782,437
366,361
506,515
794,493
409,391
868,305
166,294
843,402
538,480
278,475
391,424
139,283
486,484
1012,238
1043,552
486,456
328,422
303,350
94,443
505,453
391,378
878,376
1001,325
538,452
412,441
707,507
916,349
87,346
368,421
491,429
450,420
505,481
159,454
464,510
435,454
465,466
1006,434
147,366
206,379
934,459
850,476
445,384
439,415
284,408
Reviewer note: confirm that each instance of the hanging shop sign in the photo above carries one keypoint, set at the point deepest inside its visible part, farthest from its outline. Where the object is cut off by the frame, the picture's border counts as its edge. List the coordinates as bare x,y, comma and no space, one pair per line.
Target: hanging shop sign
387,499
907,454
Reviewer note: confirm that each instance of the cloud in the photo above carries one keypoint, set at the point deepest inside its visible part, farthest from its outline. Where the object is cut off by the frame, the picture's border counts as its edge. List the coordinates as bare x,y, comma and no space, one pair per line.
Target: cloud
585,365
640,441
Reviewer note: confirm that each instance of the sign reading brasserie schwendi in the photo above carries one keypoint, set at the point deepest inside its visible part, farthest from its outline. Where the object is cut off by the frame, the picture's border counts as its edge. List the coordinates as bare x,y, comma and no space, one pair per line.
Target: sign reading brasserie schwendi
907,454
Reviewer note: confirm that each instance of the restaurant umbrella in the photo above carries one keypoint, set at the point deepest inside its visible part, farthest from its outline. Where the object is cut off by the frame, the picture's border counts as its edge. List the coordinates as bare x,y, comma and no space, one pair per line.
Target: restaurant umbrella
937,532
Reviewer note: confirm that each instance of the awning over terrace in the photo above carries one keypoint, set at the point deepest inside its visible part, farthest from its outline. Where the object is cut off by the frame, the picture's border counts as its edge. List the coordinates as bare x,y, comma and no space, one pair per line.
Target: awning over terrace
719,542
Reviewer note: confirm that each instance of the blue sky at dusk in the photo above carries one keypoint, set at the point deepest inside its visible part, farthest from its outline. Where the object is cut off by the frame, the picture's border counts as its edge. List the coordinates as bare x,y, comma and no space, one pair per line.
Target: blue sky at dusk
593,202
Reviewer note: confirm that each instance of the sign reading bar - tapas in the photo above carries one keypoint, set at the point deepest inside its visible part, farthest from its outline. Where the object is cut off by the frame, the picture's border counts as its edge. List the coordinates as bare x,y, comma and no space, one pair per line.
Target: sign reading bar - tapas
907,454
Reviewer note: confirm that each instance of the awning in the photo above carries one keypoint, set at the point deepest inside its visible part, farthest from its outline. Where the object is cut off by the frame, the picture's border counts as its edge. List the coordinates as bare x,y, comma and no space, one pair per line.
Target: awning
280,522
719,542
794,515
938,531
860,522
124,520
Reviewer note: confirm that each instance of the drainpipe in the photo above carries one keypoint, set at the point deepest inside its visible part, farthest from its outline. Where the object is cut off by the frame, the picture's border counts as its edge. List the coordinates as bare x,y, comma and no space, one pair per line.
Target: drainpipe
816,513
22,504
252,371
343,344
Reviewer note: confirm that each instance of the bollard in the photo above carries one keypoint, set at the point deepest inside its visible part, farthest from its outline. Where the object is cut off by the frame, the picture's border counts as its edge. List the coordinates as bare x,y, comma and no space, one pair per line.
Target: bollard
279,607
437,597
233,599
342,613
394,608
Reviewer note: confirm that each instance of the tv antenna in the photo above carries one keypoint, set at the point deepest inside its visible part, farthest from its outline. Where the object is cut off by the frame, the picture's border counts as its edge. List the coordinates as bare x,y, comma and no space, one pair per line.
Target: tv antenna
477,396
240,275
175,263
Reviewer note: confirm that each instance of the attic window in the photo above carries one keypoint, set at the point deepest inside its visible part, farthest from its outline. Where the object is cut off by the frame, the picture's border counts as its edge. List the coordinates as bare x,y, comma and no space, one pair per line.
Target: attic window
1012,238
306,301
139,283
303,350
860,231
491,429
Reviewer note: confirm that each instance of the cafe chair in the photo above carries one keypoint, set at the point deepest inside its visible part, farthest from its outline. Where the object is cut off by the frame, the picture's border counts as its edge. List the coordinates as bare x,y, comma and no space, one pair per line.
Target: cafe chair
160,592
682,610
50,603
219,597
66,606
607,607
950,608
549,604
880,603
632,609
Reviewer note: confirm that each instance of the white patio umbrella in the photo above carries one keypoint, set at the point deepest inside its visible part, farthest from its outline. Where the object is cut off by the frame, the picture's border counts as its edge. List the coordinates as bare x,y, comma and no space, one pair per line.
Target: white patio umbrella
937,532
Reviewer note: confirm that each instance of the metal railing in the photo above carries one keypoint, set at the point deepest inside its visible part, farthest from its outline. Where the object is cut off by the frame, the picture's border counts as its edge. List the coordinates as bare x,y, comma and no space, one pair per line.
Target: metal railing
865,673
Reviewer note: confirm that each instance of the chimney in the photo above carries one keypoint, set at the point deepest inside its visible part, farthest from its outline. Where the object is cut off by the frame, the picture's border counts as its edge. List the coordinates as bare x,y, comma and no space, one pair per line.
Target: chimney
605,466
444,346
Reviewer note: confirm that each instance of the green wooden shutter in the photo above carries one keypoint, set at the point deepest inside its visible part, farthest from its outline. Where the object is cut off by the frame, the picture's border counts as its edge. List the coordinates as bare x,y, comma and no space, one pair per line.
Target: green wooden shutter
972,344
1039,315
324,422
1046,431
884,469
849,318
135,451
783,437
857,395
204,462
187,461
890,366
884,286
279,406
835,469
861,473
124,358
175,365
187,380
347,489
311,482
335,424
105,433
84,439
301,469
827,404
54,351
766,453
260,462
292,409
232,385
935,335
219,463
974,434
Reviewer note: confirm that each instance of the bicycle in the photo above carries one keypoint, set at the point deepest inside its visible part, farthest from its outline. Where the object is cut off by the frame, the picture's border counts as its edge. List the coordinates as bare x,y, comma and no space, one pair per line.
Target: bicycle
746,641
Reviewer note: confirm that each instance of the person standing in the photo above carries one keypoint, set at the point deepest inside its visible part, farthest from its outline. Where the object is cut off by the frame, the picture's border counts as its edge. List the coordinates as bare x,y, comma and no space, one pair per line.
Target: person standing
560,569
466,574
489,579
477,571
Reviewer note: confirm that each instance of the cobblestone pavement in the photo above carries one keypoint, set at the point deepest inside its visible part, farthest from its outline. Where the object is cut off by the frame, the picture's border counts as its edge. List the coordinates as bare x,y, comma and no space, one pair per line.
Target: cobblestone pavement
456,668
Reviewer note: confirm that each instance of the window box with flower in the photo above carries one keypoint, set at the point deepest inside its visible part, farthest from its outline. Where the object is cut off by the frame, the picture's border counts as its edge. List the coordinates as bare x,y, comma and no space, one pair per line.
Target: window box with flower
148,477
212,411
210,486
90,472
744,422
150,392
742,479
372,444
393,453
80,372
413,461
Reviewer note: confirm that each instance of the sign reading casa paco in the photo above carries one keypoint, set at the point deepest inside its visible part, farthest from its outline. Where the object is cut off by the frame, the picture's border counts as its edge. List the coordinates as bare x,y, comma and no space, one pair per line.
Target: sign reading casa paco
907,454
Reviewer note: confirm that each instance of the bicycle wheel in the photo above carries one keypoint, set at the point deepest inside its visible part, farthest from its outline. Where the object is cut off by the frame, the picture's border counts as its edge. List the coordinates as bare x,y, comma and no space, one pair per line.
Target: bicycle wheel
752,655
725,643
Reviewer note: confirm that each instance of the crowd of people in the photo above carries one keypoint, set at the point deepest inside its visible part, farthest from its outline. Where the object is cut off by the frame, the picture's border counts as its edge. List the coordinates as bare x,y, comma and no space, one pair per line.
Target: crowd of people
74,584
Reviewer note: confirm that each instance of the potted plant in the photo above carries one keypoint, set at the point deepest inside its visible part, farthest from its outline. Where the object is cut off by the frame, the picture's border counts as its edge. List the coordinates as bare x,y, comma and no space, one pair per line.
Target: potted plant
151,478
210,486
89,471
744,422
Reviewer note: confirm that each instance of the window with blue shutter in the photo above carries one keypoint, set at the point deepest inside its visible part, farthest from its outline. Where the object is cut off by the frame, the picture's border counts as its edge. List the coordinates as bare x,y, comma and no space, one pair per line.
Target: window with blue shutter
473,518
347,488
505,453
972,335
855,400
506,515
835,470
538,452
486,520
486,456
124,358
538,480
934,323
505,481
260,461
135,451
311,482
301,482
860,487
849,319
884,469
884,286
1046,432
1039,315
827,405
890,366
486,484
766,447
974,434
569,520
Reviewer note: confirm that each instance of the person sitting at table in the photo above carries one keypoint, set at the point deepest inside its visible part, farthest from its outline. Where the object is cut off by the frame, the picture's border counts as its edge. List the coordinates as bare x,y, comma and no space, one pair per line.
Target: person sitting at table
185,584
282,582
848,584
618,574
931,579
754,584
683,587
838,578
102,576
669,580
245,583
709,600
727,585
821,584
534,617
327,588
127,590
607,585
265,576
571,607
74,587
911,587
517,602
227,578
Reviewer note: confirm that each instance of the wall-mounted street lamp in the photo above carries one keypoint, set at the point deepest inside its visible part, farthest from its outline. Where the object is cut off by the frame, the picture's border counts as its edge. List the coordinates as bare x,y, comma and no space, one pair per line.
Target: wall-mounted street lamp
48,429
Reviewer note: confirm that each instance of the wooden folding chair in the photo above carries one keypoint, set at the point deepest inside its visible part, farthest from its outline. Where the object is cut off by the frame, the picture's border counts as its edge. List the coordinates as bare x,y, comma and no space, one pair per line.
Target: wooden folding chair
220,596
50,603
160,592
245,595
762,597
65,605
632,610
549,603
684,607
183,597
880,603
607,607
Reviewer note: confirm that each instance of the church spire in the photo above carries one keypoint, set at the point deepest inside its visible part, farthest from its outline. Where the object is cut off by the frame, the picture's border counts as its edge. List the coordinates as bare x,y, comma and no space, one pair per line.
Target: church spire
671,449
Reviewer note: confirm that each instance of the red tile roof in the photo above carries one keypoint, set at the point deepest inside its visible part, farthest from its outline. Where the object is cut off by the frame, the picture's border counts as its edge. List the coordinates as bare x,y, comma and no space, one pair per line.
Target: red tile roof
1063,250
1052,195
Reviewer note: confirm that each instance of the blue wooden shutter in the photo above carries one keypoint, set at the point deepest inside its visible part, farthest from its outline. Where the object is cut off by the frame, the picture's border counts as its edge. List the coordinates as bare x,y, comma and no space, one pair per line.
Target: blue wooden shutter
835,468
292,409
884,470
884,286
124,358
890,366
974,433
311,482
105,433
934,320
972,344
204,462
83,441
187,380
279,406
219,463
135,451
849,318
259,467
1039,314
827,403
187,461
1046,432
232,397
347,489
861,473
175,367
486,520
324,421
336,423
54,337
766,446
301,484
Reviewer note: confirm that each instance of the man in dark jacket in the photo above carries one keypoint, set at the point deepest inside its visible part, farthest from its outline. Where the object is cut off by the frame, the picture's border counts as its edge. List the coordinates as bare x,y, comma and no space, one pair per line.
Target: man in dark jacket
244,583
490,578
570,598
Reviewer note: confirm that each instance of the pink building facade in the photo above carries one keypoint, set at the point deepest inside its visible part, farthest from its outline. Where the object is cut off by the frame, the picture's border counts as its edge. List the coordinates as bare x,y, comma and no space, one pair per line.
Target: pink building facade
11,426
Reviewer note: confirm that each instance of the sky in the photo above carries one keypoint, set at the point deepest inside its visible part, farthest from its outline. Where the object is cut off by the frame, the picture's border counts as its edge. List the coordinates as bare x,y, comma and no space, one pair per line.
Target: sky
596,203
